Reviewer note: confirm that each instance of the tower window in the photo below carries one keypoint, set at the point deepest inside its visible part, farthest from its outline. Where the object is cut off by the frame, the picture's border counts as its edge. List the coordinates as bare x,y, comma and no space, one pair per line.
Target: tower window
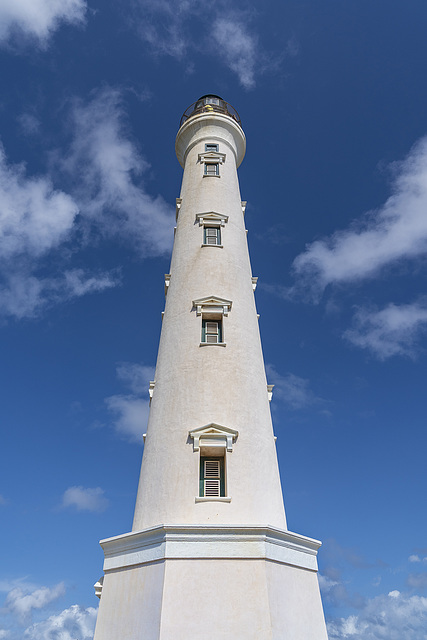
211,169
212,331
212,235
210,146
212,477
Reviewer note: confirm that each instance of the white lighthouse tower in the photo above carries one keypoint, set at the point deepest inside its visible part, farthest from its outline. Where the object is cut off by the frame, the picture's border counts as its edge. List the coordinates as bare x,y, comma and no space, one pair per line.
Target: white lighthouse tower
209,556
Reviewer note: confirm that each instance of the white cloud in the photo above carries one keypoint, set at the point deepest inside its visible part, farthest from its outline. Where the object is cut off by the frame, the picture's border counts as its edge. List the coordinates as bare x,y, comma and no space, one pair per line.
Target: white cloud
417,558
85,499
162,24
131,410
325,583
109,168
20,601
291,389
132,415
336,593
22,583
136,376
396,231
75,623
200,27
35,220
388,617
391,331
237,47
34,217
24,296
38,19
414,558
78,283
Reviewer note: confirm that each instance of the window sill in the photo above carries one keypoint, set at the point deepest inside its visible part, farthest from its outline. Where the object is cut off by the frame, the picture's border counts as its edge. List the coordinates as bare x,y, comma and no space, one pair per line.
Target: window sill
212,344
219,246
213,499
206,175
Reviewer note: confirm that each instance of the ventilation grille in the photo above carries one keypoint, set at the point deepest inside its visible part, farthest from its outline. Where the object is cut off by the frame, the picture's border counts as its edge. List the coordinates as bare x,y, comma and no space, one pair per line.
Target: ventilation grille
212,488
212,468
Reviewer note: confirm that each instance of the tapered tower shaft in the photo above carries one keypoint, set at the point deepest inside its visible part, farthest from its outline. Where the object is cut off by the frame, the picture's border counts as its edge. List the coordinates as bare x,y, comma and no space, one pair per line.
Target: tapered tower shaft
207,378
209,555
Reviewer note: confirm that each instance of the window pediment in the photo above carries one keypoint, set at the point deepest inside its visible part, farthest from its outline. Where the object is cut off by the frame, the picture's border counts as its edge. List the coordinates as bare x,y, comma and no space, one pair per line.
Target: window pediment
211,217
212,304
213,435
212,156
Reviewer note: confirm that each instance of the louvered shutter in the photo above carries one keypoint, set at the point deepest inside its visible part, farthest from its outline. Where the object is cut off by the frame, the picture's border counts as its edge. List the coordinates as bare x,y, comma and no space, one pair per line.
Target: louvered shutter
212,235
211,169
212,477
212,331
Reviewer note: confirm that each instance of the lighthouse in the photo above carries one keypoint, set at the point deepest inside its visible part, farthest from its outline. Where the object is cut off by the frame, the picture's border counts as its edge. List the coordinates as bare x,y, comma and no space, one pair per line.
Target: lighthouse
209,556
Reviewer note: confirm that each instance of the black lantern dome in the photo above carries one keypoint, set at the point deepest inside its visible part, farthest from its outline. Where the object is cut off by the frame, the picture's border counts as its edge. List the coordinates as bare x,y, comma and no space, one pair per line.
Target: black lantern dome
209,103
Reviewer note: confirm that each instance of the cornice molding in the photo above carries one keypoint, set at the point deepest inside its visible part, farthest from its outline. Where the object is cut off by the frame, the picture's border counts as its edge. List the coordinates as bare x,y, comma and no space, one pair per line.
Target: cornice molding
210,541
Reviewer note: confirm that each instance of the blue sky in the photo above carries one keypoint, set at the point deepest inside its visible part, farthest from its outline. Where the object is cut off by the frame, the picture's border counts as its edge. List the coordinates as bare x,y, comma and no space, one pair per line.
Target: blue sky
332,99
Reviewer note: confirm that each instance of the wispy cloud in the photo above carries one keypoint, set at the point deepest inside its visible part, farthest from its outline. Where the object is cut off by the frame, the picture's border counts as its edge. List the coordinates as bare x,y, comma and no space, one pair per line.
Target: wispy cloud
21,601
39,221
74,622
136,376
29,123
35,220
336,593
131,409
34,217
162,24
292,390
24,295
392,331
131,415
109,169
85,499
238,47
394,232
386,617
417,580
183,27
38,19
417,558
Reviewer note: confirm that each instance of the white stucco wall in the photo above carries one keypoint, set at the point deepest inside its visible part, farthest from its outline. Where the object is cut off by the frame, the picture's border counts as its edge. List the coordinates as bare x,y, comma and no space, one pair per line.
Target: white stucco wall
197,385
205,599
131,604
210,570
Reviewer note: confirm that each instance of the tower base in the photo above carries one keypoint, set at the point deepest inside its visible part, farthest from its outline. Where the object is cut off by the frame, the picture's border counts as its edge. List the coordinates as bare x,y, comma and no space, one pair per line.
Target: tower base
210,583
